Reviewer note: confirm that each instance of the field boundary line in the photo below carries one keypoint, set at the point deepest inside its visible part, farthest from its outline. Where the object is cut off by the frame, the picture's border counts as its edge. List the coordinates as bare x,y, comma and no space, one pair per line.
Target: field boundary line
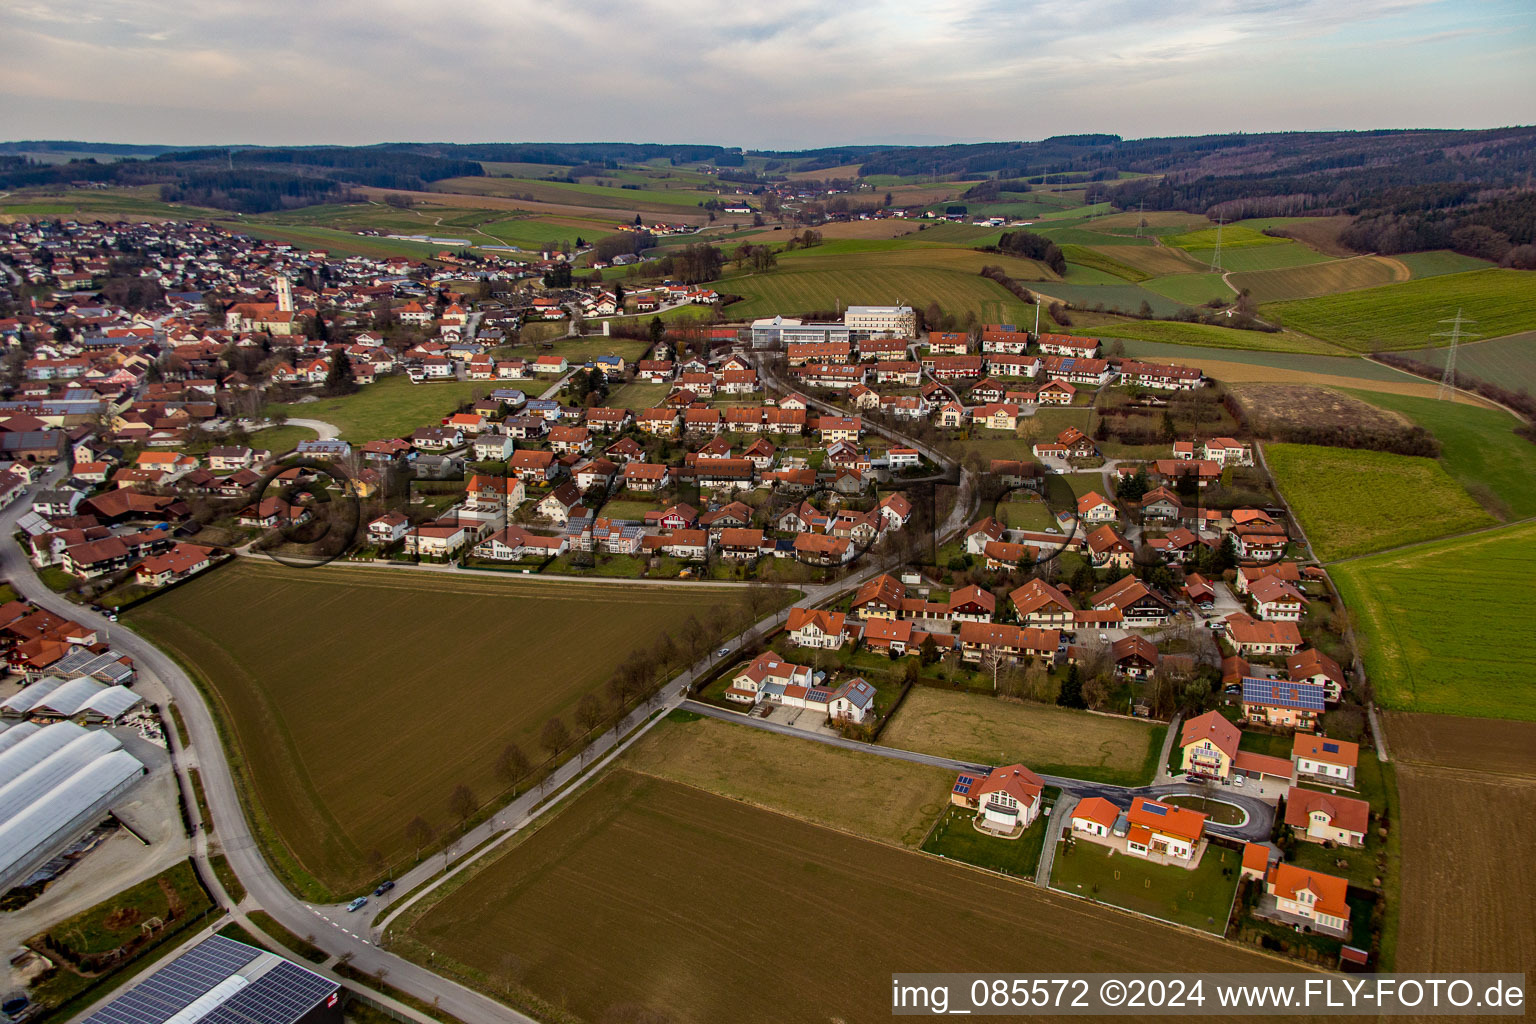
1424,543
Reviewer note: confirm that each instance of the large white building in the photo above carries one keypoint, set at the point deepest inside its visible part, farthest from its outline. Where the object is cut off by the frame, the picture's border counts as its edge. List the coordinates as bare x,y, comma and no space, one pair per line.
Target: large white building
772,332
56,781
867,321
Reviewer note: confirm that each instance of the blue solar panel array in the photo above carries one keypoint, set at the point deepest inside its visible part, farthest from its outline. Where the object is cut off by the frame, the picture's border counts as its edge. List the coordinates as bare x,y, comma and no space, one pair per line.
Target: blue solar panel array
1157,809
1331,748
281,995
963,785
1284,693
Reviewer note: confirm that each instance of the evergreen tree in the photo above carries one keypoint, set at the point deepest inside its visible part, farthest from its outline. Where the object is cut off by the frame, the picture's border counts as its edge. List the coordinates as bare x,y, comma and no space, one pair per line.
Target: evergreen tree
338,379
1071,695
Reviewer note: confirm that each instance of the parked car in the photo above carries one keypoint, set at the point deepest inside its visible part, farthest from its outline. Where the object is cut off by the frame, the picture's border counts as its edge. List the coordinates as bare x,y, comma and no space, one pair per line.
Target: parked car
357,904
384,887
722,652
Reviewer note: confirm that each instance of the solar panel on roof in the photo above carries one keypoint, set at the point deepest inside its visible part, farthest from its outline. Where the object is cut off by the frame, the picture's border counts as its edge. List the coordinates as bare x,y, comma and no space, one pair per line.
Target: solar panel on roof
1157,809
1332,748
178,984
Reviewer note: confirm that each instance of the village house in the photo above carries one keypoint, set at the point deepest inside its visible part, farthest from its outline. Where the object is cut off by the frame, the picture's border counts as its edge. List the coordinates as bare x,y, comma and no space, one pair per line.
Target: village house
389,528
1251,636
435,540
767,675
1008,799
1328,760
1037,603
1164,830
1138,604
1093,507
1320,817
1280,703
1209,746
1095,816
1318,899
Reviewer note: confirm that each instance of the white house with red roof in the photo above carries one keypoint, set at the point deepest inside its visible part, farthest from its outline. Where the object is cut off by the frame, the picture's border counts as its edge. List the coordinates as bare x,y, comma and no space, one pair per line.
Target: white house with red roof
1008,799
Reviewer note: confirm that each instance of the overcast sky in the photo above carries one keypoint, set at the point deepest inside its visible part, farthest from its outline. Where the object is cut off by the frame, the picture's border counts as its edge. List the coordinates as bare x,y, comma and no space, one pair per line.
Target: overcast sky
780,74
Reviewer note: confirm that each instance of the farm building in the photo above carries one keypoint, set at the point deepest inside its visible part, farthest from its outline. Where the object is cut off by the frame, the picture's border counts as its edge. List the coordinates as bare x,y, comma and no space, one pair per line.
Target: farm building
224,980
59,781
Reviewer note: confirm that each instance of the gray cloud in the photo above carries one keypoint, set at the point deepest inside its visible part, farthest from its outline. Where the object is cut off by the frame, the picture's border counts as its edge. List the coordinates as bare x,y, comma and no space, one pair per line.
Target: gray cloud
796,72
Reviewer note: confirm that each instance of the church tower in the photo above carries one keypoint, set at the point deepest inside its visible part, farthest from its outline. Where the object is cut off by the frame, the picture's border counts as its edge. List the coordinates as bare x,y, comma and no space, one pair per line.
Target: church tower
284,294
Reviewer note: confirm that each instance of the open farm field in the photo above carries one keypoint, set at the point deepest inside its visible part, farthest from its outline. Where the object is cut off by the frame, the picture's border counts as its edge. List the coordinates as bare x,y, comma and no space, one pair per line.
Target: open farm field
1466,861
916,275
888,227
1439,261
1405,315
1352,501
882,799
1192,289
1313,279
1509,362
504,193
1445,627
1152,260
1493,745
1157,220
1272,407
614,863
344,693
128,203
1233,236
342,243
1121,297
1320,233
578,194
1050,740
1479,447
1248,259
393,407
1178,333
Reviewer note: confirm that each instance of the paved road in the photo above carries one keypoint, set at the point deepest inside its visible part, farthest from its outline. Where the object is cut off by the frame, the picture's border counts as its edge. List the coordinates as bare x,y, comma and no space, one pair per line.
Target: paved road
265,890
327,431
1059,821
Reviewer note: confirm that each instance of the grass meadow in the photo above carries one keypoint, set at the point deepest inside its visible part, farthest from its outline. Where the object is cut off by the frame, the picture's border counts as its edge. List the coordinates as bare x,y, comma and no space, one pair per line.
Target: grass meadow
644,899
1313,279
393,407
1407,315
1446,627
1479,447
1352,501
1050,740
357,699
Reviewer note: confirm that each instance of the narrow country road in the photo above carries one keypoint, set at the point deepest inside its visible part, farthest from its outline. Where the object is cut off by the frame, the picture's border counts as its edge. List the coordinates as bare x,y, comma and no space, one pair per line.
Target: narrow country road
327,431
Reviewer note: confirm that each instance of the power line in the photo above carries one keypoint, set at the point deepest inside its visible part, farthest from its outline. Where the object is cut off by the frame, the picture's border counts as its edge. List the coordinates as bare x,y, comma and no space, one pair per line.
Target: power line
1216,253
1447,389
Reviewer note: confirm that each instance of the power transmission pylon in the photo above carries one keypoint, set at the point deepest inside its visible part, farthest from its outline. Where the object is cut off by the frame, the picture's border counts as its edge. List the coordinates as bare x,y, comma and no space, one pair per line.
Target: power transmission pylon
1447,389
1216,253
1141,208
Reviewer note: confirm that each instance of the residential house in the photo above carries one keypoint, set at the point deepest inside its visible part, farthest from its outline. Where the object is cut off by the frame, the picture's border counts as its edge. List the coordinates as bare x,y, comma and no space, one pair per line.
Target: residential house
1312,895
1163,829
853,701
1209,745
1325,759
389,528
1251,636
1093,507
1007,799
1037,603
1313,666
646,477
1276,600
436,540
1136,602
768,674
1281,703
1320,817
1095,816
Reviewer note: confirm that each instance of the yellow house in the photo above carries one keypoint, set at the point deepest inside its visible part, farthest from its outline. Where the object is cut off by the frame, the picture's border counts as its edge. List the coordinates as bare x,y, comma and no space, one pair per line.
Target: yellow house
1209,743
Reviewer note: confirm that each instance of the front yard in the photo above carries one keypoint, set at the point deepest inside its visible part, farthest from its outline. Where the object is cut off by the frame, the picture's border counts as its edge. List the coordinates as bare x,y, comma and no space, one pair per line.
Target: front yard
1201,898
956,838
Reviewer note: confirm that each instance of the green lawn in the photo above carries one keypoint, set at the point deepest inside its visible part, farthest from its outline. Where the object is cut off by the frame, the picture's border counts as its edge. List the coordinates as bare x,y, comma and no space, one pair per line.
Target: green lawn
1269,743
1352,501
394,407
1406,315
282,439
1479,448
1244,260
1233,236
955,838
1201,898
1446,627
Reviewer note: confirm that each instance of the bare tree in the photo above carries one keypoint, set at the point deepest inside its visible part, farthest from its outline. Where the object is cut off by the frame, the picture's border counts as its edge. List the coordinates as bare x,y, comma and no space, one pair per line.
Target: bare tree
554,737
512,765
462,803
589,711
419,832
